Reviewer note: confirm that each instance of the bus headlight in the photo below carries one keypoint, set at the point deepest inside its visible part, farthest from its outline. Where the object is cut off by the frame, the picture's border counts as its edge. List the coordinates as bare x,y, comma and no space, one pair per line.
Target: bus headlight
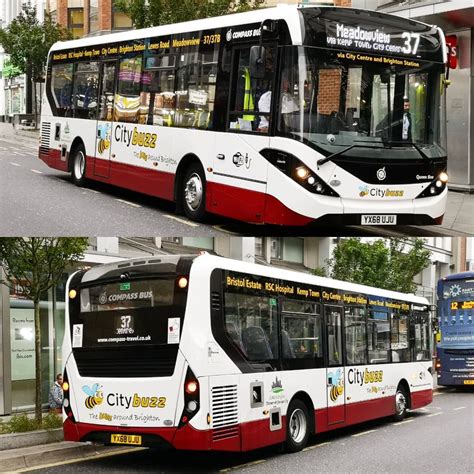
436,187
298,171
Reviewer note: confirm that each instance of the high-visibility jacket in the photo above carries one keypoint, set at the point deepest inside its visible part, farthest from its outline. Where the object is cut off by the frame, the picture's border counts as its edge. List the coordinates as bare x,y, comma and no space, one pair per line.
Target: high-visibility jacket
248,97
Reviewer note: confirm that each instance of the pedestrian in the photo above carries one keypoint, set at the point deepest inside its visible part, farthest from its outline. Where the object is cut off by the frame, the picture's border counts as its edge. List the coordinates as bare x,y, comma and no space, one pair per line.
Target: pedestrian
55,398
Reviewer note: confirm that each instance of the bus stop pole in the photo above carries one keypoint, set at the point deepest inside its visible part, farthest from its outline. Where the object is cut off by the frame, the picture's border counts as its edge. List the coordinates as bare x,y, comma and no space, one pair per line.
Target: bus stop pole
5,350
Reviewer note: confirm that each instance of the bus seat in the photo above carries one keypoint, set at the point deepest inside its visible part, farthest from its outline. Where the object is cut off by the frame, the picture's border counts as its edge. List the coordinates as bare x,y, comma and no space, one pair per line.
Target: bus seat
234,335
256,343
287,346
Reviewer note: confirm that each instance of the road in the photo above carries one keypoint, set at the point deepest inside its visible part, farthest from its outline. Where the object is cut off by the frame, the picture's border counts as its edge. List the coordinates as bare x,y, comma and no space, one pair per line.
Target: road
438,438
37,200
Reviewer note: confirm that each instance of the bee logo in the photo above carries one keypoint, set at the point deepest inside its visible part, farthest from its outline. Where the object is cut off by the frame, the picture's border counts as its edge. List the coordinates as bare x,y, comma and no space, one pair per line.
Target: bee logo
337,385
95,395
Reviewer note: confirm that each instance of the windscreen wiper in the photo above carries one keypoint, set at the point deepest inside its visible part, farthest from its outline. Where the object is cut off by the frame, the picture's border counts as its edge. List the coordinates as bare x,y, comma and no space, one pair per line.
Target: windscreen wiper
414,145
321,161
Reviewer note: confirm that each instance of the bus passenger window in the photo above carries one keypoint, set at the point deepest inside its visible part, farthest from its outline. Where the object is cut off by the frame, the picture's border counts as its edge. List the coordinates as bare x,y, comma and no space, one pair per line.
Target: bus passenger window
400,341
378,334
85,100
159,98
421,331
355,327
129,103
251,326
106,103
61,87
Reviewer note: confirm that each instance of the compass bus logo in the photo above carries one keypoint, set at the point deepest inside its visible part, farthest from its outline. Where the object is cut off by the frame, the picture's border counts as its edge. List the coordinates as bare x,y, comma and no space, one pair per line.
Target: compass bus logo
455,290
228,35
103,298
381,174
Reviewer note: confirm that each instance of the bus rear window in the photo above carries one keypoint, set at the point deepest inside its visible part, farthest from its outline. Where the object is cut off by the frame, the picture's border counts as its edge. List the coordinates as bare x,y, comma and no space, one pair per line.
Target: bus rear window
127,295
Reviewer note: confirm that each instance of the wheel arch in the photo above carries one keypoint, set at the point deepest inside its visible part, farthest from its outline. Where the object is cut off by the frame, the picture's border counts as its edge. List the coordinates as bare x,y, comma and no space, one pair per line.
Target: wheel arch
75,143
184,163
306,399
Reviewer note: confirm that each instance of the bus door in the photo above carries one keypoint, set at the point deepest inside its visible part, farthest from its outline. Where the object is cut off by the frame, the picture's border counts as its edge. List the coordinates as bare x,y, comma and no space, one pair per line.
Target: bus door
103,142
335,390
239,169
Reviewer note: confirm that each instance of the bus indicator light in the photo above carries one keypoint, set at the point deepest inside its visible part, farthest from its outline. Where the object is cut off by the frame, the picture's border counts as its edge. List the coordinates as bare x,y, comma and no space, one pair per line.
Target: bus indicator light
65,386
191,386
72,294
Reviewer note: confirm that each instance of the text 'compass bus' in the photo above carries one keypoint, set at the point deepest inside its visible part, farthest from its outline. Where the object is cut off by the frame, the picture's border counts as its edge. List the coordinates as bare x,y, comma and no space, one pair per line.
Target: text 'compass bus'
455,350
207,353
284,116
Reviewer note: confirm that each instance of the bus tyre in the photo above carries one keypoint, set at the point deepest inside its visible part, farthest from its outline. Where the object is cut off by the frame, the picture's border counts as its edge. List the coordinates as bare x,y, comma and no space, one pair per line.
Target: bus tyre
193,191
297,426
401,403
79,165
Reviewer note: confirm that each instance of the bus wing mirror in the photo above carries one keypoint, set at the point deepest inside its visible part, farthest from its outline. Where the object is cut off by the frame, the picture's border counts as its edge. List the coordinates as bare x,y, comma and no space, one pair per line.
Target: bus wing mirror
257,62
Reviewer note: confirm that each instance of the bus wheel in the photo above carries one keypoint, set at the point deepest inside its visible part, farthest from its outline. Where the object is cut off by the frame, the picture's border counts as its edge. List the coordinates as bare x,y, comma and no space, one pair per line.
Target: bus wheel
79,165
401,404
297,426
194,193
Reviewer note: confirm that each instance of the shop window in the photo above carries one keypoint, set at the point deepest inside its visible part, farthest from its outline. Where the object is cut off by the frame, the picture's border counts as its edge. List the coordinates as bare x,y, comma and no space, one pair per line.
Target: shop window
378,336
301,334
130,105
93,15
85,90
251,325
399,337
355,328
61,88
75,22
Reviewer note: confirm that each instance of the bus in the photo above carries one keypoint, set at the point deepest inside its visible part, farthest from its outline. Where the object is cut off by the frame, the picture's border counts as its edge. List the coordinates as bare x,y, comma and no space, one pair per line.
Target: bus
455,349
286,116
206,353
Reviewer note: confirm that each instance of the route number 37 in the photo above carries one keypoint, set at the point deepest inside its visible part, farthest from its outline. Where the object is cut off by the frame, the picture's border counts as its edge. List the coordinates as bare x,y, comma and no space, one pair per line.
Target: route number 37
412,40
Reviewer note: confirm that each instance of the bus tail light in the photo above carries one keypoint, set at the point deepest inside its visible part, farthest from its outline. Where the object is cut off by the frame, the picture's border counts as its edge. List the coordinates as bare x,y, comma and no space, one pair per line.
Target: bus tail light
66,398
191,397
438,364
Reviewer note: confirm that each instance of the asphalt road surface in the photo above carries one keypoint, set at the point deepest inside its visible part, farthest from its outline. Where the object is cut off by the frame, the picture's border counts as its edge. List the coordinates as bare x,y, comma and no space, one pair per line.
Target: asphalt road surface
438,438
37,200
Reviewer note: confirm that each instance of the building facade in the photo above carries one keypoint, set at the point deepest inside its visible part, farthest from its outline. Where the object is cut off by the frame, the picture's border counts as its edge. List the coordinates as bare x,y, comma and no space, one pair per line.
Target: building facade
17,373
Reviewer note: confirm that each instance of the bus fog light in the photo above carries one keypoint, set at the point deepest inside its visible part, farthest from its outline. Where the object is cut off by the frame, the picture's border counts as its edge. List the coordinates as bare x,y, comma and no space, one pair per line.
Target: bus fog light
433,190
65,403
192,405
319,188
311,180
438,183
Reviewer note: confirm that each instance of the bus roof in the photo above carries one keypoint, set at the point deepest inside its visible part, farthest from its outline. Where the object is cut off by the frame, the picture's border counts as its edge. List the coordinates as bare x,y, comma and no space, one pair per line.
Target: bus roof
289,13
253,268
459,276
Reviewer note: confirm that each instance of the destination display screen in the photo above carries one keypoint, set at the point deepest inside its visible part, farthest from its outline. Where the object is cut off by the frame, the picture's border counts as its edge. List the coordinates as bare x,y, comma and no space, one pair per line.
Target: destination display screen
371,32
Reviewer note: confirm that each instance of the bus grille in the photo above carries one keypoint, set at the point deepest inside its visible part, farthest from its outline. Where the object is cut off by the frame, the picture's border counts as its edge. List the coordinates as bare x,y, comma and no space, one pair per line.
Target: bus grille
157,361
45,136
224,412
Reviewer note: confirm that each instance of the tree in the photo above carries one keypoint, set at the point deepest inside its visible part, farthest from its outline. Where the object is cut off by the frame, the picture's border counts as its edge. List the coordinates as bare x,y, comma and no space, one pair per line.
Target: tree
385,264
33,266
27,42
161,12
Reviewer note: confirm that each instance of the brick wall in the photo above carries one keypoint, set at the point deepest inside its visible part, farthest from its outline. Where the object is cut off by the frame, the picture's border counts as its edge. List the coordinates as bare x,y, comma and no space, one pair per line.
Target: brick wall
105,15
343,3
329,91
62,13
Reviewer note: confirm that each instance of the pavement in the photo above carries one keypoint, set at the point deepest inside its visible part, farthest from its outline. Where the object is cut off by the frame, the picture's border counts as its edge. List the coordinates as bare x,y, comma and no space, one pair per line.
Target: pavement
458,218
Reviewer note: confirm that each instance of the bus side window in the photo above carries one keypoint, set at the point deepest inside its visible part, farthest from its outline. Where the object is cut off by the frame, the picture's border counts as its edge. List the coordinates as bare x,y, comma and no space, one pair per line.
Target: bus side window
85,90
378,332
61,87
106,103
129,104
421,332
399,342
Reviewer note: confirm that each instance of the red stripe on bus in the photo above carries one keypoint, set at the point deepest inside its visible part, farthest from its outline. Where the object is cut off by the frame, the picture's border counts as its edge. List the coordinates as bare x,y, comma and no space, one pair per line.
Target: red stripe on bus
53,159
253,434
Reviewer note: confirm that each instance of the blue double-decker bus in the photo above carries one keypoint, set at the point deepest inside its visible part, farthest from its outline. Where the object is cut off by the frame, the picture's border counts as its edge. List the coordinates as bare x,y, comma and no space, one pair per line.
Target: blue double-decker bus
455,350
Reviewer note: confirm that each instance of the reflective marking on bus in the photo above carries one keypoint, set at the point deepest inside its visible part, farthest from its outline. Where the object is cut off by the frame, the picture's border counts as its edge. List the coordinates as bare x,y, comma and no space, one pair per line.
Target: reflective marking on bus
459,408
128,203
363,433
404,421
240,466
309,448
14,164
36,171
434,414
183,221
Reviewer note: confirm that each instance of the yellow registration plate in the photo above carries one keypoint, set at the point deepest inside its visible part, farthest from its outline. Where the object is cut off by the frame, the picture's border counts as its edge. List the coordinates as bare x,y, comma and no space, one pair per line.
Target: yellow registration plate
136,440
468,382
